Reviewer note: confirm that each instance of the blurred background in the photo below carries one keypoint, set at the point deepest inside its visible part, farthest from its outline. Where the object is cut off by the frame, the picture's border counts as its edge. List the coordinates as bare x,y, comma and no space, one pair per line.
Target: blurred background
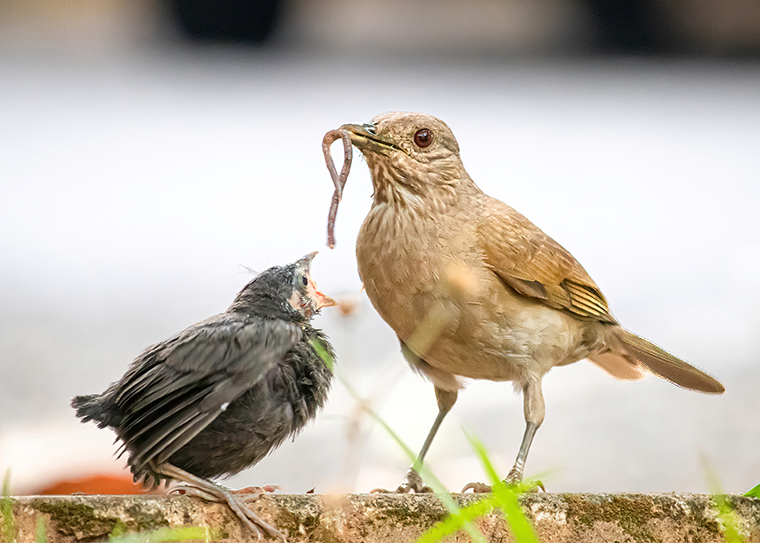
151,150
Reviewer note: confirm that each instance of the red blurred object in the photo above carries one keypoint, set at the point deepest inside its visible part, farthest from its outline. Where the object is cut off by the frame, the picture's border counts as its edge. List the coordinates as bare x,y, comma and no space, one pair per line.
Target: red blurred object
94,484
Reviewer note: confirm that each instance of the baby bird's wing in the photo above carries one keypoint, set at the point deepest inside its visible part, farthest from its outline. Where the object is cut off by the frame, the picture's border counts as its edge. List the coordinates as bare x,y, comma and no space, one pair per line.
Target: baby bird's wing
176,388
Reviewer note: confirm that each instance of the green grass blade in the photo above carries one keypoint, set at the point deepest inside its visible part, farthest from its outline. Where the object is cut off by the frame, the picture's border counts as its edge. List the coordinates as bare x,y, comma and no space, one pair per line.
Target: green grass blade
507,499
430,479
428,476
184,533
40,534
8,528
509,502
725,511
454,523
754,492
323,354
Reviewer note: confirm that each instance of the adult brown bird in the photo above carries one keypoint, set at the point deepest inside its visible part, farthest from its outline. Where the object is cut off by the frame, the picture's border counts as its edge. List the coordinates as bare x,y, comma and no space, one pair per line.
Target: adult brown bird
474,289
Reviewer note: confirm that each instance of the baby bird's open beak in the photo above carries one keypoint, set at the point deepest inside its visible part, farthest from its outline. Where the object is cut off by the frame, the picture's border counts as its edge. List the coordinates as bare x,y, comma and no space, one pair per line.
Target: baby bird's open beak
318,298
314,297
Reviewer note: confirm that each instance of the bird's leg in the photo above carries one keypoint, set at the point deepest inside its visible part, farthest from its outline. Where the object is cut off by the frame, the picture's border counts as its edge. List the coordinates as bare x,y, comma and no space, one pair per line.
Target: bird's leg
412,480
446,398
209,491
535,409
515,475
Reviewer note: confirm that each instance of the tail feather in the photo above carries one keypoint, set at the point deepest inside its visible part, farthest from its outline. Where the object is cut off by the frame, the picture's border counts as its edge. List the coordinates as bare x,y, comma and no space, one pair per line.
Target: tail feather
665,365
96,407
619,366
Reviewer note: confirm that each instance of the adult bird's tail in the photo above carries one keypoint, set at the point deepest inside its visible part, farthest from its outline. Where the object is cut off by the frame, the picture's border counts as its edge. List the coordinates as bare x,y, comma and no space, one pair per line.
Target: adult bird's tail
631,353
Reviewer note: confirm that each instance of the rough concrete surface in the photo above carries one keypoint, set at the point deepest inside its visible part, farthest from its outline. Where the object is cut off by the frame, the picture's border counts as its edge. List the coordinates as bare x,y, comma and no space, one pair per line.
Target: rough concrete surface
390,518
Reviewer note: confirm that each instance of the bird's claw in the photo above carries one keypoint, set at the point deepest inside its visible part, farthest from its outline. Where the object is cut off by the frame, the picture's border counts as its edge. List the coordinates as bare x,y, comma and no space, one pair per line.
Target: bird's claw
238,505
535,485
252,521
515,480
519,486
258,489
477,488
193,491
412,483
250,494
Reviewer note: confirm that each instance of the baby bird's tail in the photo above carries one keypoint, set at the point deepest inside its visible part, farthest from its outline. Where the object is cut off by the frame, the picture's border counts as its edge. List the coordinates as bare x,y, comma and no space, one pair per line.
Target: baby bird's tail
98,408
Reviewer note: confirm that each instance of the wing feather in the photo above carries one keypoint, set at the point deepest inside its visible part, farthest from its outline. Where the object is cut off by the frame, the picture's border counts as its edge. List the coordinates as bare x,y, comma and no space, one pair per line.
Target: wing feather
534,265
176,389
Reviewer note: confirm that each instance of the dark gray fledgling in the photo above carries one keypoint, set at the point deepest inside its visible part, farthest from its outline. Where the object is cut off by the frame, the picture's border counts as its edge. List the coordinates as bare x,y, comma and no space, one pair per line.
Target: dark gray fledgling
217,397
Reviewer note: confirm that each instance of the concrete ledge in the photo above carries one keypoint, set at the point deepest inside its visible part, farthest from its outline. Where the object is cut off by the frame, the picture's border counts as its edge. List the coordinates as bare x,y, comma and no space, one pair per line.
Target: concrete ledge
389,518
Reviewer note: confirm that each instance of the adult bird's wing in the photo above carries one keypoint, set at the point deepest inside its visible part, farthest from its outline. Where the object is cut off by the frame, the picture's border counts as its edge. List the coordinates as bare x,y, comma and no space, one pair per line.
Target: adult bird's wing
176,388
533,264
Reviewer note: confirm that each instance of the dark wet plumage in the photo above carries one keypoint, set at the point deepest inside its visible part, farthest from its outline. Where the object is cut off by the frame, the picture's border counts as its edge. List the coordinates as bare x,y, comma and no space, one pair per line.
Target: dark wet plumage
217,397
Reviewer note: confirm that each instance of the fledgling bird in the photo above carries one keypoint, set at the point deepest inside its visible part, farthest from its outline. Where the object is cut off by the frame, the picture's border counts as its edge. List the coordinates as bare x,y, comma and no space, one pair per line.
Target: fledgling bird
217,397
473,289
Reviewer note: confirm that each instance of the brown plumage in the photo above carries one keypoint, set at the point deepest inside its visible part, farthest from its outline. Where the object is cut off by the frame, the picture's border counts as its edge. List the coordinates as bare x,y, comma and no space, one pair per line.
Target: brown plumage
474,289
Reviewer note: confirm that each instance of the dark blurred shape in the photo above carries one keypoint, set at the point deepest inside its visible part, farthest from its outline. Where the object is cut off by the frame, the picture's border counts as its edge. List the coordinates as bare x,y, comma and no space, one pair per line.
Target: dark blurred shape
235,21
728,28
629,27
93,484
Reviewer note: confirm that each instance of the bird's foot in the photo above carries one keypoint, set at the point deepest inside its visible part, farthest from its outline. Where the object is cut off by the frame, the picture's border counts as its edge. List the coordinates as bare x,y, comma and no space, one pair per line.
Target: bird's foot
412,483
250,494
513,481
251,520
217,494
477,488
482,488
514,477
194,492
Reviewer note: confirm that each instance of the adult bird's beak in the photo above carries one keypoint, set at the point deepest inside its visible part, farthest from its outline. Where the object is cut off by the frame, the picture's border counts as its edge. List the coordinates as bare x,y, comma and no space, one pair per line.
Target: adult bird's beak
364,137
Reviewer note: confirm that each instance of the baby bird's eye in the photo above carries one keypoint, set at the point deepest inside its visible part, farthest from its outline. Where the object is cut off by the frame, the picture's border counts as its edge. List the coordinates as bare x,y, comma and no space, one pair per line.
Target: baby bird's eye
304,281
423,138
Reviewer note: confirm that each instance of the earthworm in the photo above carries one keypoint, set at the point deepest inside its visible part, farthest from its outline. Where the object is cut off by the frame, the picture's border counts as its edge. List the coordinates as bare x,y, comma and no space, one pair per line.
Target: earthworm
338,180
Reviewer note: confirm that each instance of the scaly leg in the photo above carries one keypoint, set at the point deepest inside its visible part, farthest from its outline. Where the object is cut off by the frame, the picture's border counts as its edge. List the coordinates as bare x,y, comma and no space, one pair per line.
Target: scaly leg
535,409
210,491
412,481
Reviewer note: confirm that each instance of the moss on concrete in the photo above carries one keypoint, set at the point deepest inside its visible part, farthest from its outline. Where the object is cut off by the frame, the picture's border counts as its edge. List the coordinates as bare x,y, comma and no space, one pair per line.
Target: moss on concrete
76,518
390,518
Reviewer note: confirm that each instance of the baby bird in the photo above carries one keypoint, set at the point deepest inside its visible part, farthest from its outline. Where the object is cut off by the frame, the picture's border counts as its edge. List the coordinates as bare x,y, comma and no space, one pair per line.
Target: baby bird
473,289
217,397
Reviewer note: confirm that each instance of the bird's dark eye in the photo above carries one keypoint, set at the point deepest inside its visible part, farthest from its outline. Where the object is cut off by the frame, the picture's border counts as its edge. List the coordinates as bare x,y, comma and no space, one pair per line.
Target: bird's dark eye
423,137
305,280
